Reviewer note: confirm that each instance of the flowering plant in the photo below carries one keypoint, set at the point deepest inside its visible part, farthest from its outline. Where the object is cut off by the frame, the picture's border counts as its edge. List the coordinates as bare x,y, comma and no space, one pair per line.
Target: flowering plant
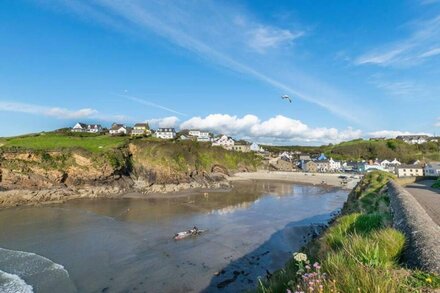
310,278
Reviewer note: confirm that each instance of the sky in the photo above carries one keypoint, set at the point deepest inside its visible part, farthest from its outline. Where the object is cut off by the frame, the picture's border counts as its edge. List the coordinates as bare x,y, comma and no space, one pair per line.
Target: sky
352,68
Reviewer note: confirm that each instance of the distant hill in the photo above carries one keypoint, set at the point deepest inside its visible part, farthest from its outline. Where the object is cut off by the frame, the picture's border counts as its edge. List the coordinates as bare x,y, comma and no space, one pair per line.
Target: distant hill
370,149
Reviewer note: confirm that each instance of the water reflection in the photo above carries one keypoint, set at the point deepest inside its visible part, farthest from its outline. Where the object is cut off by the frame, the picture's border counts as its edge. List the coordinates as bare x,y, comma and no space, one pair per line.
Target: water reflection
122,245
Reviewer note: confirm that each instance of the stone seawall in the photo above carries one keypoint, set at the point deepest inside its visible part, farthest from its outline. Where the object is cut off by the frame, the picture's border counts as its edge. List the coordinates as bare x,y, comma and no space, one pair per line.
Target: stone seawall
423,235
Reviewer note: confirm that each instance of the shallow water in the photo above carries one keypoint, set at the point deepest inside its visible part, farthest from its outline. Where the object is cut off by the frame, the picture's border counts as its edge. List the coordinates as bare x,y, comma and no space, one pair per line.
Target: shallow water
126,245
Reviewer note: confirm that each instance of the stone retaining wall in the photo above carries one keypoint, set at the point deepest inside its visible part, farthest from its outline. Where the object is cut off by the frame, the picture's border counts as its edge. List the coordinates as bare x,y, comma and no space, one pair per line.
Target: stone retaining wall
422,233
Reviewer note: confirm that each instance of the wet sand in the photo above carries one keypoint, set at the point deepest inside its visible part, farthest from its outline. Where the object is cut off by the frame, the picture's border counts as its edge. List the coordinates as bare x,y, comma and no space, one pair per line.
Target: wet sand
299,177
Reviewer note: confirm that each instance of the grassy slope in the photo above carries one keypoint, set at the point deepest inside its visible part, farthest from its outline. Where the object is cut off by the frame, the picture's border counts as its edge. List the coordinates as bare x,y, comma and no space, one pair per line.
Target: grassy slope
174,156
359,252
55,141
189,155
366,149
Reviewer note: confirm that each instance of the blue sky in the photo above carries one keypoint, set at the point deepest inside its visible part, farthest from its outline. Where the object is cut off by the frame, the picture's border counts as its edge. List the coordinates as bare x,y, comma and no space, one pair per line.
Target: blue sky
353,68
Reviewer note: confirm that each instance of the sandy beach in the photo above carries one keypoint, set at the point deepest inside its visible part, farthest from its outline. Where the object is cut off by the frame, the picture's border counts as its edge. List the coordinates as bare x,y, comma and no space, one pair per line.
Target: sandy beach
299,177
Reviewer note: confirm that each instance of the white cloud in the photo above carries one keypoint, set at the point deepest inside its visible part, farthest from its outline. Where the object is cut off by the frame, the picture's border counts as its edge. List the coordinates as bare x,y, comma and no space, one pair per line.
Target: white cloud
409,51
437,124
393,133
279,129
163,122
265,37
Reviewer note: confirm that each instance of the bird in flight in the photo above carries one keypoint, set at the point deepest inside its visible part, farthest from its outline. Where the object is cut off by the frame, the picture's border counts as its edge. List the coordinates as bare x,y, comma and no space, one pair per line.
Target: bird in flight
286,97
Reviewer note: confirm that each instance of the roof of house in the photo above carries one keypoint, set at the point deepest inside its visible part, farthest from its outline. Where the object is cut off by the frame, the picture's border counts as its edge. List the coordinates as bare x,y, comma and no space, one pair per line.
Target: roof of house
435,165
83,125
95,126
142,125
116,126
406,166
412,136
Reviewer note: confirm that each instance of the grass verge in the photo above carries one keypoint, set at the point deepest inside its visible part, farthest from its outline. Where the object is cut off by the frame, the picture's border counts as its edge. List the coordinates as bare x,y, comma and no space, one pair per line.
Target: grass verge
360,252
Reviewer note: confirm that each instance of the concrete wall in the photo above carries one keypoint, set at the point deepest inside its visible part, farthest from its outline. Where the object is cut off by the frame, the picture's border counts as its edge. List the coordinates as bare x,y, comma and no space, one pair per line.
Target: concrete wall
423,235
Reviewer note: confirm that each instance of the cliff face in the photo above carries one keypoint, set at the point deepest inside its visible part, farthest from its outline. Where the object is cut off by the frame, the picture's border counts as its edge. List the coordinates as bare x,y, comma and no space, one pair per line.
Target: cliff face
139,165
37,169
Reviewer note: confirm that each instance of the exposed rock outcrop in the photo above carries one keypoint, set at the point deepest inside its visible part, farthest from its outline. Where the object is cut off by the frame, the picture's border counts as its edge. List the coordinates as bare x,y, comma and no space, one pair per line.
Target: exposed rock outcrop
39,176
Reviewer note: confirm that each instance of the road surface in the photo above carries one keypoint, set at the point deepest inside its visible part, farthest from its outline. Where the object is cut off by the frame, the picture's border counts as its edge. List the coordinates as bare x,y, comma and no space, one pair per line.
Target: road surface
428,197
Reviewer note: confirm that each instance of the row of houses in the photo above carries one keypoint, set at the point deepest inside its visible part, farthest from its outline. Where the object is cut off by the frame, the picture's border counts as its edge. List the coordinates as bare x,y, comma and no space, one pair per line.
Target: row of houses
321,164
143,129
417,139
139,129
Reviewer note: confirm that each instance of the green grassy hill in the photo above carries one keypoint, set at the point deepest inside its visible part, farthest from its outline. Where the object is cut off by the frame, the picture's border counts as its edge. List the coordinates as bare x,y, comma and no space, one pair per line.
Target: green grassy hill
58,141
82,157
371,149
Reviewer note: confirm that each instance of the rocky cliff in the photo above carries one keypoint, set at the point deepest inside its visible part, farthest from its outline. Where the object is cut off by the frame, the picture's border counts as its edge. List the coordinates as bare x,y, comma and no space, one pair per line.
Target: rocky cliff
142,166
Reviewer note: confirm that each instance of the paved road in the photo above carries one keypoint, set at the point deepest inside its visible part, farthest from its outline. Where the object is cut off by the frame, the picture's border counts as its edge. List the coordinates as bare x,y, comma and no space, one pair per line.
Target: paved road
428,198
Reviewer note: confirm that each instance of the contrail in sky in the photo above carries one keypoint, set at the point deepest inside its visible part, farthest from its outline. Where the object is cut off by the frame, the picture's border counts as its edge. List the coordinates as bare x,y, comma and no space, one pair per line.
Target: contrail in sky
151,104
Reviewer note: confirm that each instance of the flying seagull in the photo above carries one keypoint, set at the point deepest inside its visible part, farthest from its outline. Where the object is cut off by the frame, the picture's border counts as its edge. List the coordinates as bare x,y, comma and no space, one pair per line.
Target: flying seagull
286,97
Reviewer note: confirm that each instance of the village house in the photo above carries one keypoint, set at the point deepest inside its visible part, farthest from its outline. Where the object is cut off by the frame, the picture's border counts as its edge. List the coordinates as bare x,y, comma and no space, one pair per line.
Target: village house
245,148
224,141
310,166
371,166
256,148
414,139
119,129
200,136
166,133
90,128
302,160
278,164
322,166
286,156
334,165
385,163
432,169
409,171
352,166
141,129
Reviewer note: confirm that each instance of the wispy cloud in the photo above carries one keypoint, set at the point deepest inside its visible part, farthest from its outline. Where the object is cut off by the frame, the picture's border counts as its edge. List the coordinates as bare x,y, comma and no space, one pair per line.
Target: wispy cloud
422,43
59,113
151,104
165,122
279,129
430,53
224,43
437,124
265,37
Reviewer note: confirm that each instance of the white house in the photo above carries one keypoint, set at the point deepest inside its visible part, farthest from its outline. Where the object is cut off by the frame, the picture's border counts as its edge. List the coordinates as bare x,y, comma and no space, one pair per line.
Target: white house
166,133
395,162
432,169
141,129
224,141
385,163
256,148
334,165
90,128
202,136
414,139
409,171
118,129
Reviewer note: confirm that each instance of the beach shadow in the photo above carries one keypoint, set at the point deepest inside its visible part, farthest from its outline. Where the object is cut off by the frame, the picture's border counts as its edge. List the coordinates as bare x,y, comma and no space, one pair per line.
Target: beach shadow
242,274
